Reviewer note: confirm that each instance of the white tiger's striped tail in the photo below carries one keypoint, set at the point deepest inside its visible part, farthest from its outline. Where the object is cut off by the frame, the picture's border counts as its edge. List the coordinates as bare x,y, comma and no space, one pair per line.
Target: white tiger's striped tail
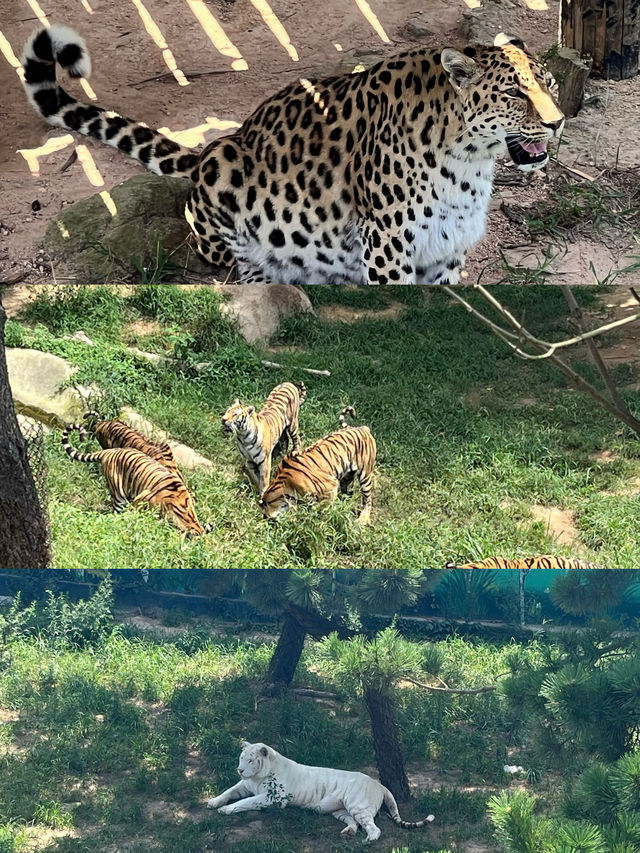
394,814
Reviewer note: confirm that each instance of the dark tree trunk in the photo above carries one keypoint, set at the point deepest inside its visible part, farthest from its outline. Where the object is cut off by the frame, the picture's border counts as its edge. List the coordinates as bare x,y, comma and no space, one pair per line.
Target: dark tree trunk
386,742
284,661
606,30
298,622
23,527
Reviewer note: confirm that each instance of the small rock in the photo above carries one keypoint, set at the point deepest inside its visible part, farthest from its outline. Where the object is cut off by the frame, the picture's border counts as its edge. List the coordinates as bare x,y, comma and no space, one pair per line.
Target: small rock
414,30
153,357
85,339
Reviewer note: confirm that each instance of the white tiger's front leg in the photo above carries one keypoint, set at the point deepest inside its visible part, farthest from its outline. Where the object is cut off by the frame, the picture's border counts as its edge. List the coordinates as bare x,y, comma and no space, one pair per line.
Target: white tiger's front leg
260,801
233,793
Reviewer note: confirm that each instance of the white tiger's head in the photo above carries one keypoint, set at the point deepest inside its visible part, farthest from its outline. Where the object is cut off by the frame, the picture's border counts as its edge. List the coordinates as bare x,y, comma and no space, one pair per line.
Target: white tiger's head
255,760
236,417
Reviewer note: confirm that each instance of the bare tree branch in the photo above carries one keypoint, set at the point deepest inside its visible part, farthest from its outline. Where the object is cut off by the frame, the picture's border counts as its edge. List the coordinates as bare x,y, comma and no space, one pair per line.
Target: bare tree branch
487,688
547,349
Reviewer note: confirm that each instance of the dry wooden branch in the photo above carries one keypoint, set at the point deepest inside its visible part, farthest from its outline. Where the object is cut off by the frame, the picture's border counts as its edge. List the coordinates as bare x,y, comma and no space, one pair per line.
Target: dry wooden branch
577,172
576,313
276,366
465,691
520,333
187,74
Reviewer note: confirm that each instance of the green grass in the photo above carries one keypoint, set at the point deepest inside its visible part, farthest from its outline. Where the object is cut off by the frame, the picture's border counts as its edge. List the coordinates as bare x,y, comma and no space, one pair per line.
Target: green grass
468,436
117,745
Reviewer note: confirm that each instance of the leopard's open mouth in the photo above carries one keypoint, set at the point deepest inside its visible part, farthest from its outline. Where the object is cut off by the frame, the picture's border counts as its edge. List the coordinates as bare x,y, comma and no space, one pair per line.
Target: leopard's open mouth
526,153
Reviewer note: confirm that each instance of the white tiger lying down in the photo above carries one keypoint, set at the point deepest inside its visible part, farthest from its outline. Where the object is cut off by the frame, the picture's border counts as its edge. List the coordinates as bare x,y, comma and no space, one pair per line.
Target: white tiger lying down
352,798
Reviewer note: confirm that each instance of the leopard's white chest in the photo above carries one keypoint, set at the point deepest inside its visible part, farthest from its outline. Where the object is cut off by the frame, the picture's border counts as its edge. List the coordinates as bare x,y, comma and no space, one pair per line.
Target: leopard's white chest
456,201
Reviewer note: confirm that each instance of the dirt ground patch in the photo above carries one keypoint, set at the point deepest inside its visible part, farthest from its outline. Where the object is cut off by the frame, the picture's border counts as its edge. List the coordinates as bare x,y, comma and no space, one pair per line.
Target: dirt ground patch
130,76
558,523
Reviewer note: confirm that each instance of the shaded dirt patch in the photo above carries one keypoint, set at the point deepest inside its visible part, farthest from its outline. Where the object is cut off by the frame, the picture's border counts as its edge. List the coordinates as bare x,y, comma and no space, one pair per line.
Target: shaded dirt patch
559,523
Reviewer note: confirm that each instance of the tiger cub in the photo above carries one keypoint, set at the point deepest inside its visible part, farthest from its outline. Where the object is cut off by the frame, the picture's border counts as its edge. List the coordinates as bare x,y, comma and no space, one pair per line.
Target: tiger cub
258,433
328,465
133,477
117,433
541,562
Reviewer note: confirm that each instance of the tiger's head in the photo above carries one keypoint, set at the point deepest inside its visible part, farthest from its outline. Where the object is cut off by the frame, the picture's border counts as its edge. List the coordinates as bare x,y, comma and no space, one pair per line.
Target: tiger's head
508,99
275,499
255,760
236,418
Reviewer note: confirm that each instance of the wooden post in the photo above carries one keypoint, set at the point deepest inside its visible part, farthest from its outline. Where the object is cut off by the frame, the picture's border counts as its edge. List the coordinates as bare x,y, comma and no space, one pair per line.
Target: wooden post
606,30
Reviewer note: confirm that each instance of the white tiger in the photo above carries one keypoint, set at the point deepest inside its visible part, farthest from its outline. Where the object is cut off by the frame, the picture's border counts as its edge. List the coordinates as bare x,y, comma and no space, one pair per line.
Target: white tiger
268,778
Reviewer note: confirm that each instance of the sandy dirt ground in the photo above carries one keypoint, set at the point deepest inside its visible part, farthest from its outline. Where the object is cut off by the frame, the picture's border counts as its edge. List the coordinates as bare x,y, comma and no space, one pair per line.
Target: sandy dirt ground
131,41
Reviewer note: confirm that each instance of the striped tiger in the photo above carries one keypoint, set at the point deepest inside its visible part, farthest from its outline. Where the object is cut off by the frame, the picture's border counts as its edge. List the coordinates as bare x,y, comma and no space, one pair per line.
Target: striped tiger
540,562
133,477
117,433
328,465
258,433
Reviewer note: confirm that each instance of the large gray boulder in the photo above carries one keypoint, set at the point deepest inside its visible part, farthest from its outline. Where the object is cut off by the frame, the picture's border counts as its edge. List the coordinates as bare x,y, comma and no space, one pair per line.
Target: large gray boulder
86,240
36,379
259,309
185,456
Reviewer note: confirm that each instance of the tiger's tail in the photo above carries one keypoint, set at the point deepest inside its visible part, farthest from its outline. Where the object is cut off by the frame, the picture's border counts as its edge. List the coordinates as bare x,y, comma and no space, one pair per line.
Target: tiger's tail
63,46
348,410
394,814
302,390
71,451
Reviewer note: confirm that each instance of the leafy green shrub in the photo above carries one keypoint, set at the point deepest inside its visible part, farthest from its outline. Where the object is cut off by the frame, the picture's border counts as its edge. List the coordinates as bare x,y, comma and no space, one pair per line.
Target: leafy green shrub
68,308
516,826
61,622
466,594
602,815
13,334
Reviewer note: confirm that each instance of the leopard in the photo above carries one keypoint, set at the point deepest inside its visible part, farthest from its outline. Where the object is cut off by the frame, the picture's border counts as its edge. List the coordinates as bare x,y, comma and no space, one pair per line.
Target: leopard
383,176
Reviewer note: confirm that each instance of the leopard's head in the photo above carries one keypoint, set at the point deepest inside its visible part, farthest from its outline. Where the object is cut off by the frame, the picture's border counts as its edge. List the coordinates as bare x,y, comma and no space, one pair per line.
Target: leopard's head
508,98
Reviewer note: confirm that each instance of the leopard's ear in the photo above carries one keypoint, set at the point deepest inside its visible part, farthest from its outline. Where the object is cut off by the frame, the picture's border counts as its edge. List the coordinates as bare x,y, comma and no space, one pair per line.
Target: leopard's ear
506,38
462,70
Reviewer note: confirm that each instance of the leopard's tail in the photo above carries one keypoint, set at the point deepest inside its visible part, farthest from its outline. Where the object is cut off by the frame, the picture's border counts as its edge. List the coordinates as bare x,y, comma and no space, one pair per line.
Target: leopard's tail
64,46
73,453
394,814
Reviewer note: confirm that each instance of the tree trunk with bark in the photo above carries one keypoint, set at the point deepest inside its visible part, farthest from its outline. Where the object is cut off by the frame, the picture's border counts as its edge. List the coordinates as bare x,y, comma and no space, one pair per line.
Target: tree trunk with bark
284,661
24,540
386,742
606,30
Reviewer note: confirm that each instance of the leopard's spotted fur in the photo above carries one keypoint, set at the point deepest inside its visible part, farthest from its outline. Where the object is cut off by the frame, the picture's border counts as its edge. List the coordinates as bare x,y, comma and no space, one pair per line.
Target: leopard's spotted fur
383,176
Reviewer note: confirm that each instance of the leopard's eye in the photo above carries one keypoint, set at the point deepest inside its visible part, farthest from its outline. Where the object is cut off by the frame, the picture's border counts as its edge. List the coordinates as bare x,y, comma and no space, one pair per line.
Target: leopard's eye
514,93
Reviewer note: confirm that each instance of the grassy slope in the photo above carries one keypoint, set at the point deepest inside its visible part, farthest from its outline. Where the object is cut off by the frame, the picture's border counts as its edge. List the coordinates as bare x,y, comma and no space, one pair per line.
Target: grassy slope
468,436
117,747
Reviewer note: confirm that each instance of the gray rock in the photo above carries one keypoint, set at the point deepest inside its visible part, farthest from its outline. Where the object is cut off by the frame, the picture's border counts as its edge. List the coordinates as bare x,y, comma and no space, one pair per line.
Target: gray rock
36,379
260,308
414,30
88,241
185,456
482,24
